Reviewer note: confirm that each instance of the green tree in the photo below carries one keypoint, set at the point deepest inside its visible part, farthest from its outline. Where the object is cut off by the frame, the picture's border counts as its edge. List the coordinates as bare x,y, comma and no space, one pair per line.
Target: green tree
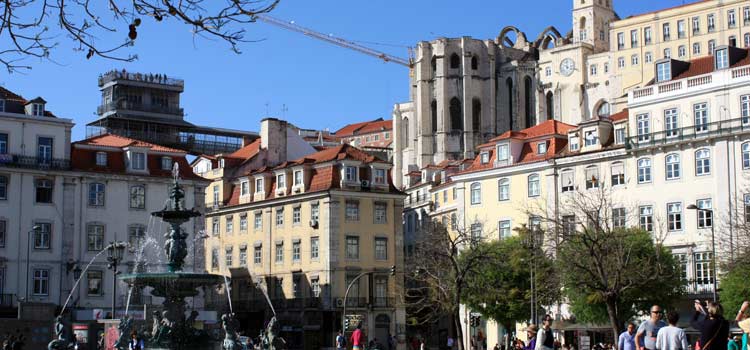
734,286
501,288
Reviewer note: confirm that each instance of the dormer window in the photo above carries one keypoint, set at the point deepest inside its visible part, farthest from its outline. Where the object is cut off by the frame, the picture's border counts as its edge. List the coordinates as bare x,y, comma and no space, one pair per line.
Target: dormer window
591,137
138,161
574,144
244,188
298,178
502,153
485,157
663,71
259,185
541,148
38,109
721,58
350,174
281,181
221,163
101,158
166,163
379,177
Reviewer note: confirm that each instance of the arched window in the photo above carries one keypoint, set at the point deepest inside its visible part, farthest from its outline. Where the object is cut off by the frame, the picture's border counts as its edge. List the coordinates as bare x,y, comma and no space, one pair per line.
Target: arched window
603,110
509,86
476,193
455,61
503,189
550,104
474,63
533,185
746,155
582,29
702,162
476,117
673,166
405,129
457,122
434,64
567,180
434,114
96,194
528,101
644,170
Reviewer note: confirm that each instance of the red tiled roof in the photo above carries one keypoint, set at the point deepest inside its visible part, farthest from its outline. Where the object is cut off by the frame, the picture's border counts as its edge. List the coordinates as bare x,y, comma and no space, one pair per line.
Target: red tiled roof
705,65
549,127
110,140
8,95
364,127
248,151
621,115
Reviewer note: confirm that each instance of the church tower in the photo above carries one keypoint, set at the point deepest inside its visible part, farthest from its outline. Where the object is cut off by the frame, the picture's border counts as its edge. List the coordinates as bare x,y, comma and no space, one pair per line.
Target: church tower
591,20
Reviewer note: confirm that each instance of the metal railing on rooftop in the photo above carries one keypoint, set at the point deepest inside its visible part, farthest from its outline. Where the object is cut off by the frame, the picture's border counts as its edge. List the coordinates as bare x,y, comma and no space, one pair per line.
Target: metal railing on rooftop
147,78
27,162
141,107
689,133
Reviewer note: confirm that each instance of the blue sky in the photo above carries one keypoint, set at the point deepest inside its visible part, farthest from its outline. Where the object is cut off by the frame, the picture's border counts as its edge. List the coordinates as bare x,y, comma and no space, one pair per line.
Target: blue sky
322,86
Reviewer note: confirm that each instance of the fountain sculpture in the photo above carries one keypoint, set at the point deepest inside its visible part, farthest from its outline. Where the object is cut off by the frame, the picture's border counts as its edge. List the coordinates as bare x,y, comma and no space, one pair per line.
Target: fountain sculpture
171,328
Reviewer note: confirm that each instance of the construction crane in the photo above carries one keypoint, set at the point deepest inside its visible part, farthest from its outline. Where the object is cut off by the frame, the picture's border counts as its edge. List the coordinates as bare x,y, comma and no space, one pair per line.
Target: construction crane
289,25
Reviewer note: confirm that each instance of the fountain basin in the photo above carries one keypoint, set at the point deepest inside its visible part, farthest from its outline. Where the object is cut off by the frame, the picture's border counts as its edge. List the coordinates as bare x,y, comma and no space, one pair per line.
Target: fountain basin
173,284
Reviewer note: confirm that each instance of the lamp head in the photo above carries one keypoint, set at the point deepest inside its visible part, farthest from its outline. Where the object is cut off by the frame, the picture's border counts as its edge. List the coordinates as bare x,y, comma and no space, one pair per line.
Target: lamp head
692,207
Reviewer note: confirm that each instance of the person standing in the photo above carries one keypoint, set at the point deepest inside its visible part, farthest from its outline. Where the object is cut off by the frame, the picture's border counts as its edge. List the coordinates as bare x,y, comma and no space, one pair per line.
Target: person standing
732,344
544,339
645,338
531,332
671,337
340,341
626,341
357,337
743,321
713,327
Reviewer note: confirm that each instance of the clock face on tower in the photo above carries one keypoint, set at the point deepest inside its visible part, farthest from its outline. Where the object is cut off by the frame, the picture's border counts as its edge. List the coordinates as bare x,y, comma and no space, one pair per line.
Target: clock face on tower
567,66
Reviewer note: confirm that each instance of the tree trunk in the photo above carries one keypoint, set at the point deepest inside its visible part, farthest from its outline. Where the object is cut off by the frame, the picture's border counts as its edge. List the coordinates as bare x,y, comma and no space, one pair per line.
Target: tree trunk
613,320
459,330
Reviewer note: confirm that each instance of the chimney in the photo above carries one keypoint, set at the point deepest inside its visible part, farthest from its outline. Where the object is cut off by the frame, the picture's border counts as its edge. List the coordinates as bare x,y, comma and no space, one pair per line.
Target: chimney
273,140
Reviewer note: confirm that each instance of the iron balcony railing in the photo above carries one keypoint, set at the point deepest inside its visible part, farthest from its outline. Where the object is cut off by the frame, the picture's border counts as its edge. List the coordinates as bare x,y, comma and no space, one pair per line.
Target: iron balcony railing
132,106
7,300
689,133
148,78
383,302
27,162
699,287
356,302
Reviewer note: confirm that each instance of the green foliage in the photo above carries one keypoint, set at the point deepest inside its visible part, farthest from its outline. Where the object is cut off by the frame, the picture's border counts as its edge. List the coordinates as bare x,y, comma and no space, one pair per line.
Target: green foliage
622,269
734,286
500,288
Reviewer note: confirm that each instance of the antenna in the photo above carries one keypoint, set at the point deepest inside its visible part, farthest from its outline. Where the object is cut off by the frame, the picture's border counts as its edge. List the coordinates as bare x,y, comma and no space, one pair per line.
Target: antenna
267,110
284,110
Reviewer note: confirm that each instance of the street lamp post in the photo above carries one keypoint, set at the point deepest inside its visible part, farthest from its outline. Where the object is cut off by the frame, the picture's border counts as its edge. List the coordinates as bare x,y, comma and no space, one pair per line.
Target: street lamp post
115,251
28,257
713,245
200,236
349,287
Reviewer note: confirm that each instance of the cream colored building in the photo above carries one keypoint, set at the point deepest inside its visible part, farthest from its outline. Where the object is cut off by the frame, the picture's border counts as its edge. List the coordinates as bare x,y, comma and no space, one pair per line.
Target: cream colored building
301,230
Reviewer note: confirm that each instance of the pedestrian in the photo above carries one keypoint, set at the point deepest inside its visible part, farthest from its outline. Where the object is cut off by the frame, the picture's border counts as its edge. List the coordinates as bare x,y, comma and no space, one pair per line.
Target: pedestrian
531,332
357,337
544,339
249,343
340,341
391,342
136,343
732,343
626,341
497,347
710,322
645,338
449,344
671,337
743,321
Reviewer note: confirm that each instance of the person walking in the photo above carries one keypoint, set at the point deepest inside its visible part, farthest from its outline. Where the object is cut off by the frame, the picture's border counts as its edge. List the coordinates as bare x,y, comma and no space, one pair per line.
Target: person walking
544,339
645,338
671,337
626,341
531,332
710,322
340,341
357,337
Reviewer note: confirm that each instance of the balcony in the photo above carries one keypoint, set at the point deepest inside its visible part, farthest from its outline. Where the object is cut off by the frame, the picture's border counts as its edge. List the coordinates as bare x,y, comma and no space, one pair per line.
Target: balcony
140,107
698,84
140,77
26,162
414,202
356,302
699,288
383,302
7,300
214,206
690,133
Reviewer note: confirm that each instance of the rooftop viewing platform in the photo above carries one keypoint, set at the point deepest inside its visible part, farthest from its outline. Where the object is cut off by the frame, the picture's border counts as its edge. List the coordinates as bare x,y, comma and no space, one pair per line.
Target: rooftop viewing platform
150,78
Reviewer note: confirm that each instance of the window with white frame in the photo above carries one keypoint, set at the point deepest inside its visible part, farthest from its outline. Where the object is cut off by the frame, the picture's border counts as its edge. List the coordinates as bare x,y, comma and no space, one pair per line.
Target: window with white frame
620,41
229,256
696,25
215,225
476,231
665,31
381,248
696,48
280,217
618,218
746,40
533,185
94,283
314,211
41,282
296,215
673,166
215,258
682,51
314,247
634,38
3,143
229,226
705,217
137,197
617,169
681,28
647,36
476,193
746,155
244,188
257,254
731,18
259,185
166,163
37,109
644,170
548,71
591,137
621,62
138,161
379,212
504,229
567,180
667,53
243,256
541,147
722,59
703,270
315,287
502,154
352,247
44,189
136,235
592,177
96,194
296,251
243,222
573,142
281,181
568,225
606,68
379,177
646,218
42,235
350,174
258,221
620,136
711,46
746,15
352,210
279,256
670,122
503,189
711,20
702,162
663,71
643,127
634,60
674,216
648,57
101,158
95,237
484,157
592,69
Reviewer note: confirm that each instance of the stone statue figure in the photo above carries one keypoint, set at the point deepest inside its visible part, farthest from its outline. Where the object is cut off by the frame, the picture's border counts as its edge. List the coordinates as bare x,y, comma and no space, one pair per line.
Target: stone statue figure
269,338
124,328
231,338
63,340
155,325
